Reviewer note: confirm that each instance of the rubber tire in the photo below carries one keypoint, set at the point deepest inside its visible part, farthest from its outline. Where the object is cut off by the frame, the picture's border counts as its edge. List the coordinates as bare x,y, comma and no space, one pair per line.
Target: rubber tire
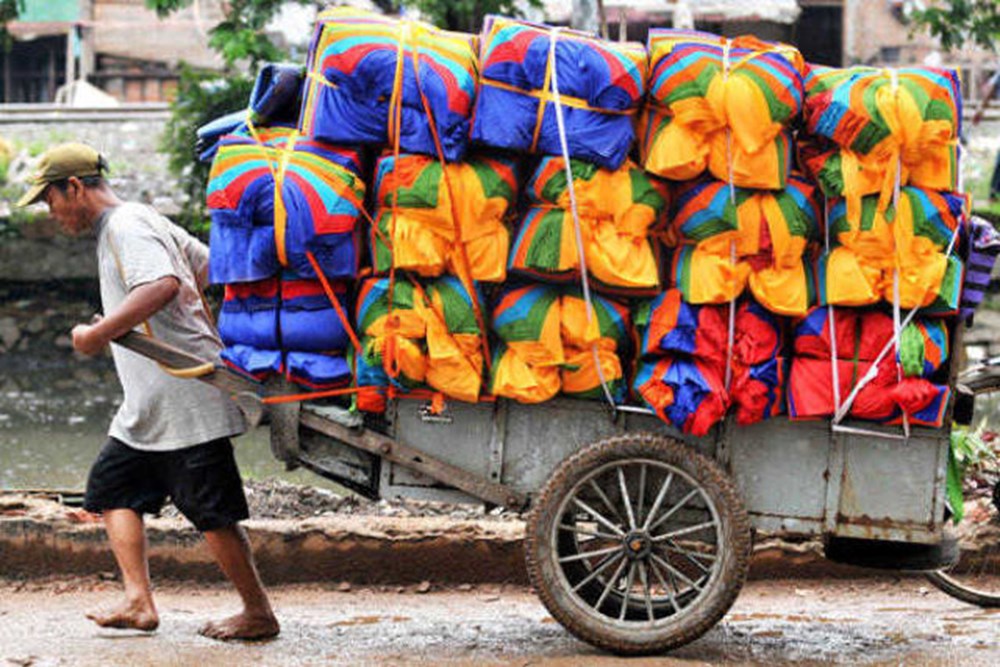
946,585
735,544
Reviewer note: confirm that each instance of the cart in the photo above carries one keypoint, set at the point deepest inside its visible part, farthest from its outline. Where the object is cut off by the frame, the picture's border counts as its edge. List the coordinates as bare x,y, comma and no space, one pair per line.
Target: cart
638,537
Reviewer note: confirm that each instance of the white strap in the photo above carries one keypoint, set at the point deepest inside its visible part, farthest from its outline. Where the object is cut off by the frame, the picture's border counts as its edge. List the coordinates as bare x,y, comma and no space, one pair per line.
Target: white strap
831,317
731,329
584,278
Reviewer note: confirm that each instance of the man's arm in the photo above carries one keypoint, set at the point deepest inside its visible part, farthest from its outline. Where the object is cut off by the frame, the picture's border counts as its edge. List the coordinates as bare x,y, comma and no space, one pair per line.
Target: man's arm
140,304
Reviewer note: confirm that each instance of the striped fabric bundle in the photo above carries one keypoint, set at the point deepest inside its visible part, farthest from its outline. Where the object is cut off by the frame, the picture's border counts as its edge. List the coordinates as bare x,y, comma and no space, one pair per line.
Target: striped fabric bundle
875,119
369,73
444,218
760,369
275,198
984,246
866,250
684,354
600,86
772,233
860,337
548,345
285,326
427,338
618,210
721,105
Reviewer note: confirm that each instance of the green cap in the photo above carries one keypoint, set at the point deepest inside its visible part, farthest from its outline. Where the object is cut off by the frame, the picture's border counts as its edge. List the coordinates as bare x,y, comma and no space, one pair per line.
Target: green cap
58,164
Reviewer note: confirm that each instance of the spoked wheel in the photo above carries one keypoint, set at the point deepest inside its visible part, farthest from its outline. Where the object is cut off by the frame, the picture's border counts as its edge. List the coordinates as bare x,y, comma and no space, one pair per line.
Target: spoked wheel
638,544
975,578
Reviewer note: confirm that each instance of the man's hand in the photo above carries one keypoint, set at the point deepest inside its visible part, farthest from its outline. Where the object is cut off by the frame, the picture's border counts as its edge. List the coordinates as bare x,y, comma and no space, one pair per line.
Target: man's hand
88,338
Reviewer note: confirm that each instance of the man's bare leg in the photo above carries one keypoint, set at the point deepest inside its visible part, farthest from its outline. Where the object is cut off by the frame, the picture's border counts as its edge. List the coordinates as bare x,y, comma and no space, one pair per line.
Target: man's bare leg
231,549
127,535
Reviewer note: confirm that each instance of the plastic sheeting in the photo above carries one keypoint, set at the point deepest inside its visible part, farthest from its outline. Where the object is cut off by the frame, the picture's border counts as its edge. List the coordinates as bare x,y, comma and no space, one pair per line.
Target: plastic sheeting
684,347
721,105
454,219
867,249
549,345
427,338
287,327
860,337
619,213
771,235
274,197
600,85
873,120
365,68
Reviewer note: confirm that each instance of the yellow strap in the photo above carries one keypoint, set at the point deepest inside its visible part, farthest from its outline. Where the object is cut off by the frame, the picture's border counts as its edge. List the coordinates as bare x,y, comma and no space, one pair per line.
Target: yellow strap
278,176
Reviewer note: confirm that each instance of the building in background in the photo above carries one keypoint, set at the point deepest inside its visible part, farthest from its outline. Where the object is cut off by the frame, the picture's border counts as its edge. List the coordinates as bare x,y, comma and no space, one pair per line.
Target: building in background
120,46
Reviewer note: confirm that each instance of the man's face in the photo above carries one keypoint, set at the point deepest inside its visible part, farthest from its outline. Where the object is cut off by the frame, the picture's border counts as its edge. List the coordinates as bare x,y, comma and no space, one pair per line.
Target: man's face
67,207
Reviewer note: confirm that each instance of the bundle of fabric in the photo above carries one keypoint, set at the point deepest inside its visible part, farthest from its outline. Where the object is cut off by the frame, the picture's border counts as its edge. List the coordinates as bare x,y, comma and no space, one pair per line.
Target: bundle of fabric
377,79
286,326
431,220
984,246
900,383
869,249
427,338
685,349
769,234
549,344
722,105
277,201
619,212
600,85
275,100
874,122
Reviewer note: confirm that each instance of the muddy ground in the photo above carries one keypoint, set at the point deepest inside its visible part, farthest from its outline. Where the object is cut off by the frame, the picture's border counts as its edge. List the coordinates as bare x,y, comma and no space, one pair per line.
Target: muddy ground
882,621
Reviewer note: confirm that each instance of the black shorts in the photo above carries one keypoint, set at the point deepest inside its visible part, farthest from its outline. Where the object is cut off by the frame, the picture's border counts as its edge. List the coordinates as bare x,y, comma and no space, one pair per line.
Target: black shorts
202,481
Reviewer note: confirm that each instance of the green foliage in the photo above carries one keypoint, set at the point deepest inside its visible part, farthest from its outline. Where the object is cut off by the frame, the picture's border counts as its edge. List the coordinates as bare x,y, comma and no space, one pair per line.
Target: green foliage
970,452
200,98
466,15
9,10
240,35
956,22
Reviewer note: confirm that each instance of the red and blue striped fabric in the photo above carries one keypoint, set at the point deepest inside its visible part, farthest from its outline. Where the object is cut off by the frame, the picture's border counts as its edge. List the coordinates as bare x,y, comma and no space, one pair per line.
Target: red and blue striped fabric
600,83
322,195
362,64
685,392
674,326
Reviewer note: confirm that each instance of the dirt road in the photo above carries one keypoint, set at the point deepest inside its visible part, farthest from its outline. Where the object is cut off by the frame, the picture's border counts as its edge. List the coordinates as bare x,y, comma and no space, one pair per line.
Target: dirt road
871,621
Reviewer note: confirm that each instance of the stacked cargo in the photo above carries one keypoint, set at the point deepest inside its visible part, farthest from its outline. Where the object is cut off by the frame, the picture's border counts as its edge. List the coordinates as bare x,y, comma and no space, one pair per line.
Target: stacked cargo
743,224
744,280
883,147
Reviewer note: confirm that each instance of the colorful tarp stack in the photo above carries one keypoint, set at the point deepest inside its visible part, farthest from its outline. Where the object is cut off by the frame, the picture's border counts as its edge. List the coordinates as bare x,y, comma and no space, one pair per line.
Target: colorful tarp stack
873,258
865,124
828,365
285,326
524,65
419,336
276,198
619,212
284,218
375,80
771,235
721,105
550,345
682,371
430,220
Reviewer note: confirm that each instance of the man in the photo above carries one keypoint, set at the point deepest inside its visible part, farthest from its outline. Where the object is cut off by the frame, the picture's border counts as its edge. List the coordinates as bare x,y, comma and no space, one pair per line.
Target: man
987,93
170,437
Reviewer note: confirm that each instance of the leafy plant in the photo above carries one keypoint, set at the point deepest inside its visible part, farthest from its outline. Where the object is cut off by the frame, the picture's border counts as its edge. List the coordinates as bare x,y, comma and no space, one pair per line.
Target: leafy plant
467,15
971,452
201,97
959,21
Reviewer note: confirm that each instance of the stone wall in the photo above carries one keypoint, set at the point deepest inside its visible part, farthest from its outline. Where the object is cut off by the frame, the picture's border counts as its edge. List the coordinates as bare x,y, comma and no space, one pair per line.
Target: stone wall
129,139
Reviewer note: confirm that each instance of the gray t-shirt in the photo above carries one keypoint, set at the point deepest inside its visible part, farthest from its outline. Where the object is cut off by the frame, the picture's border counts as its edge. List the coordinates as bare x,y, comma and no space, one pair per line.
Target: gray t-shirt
136,245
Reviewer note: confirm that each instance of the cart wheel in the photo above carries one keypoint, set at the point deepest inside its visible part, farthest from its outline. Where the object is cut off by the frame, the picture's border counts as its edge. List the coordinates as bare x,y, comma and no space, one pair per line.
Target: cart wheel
638,544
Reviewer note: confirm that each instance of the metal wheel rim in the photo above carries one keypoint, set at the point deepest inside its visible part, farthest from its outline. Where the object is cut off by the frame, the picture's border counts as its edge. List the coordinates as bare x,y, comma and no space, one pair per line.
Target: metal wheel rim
683,603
